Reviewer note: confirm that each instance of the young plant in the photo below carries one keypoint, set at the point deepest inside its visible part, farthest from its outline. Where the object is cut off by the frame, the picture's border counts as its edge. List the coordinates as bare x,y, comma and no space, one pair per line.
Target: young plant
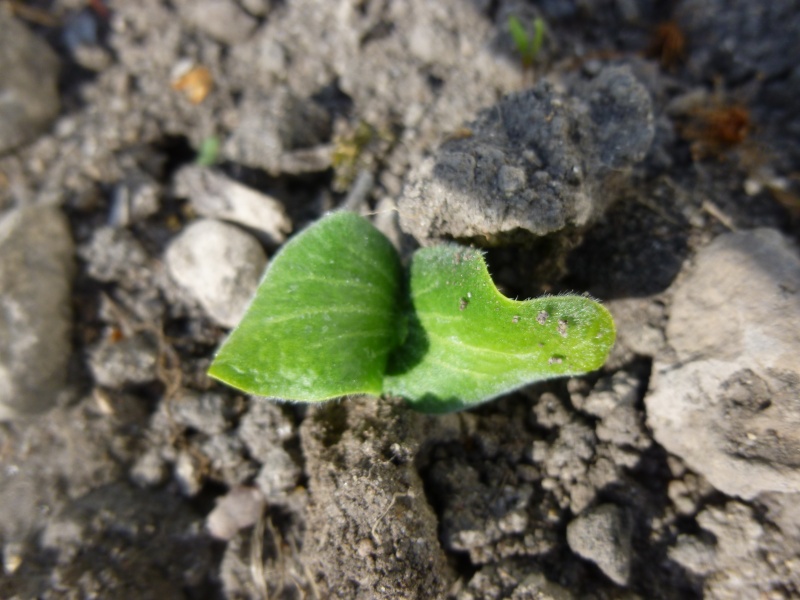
528,44
335,315
209,152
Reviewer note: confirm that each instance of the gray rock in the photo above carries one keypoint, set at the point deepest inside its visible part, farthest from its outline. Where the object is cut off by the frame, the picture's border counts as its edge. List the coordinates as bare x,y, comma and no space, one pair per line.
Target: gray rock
35,317
278,476
214,195
264,430
568,458
536,163
640,329
784,511
241,507
603,536
93,58
511,579
613,400
226,459
264,427
536,587
133,200
574,462
209,412
281,133
131,360
28,90
258,8
150,469
223,20
114,255
607,394
550,411
726,400
217,265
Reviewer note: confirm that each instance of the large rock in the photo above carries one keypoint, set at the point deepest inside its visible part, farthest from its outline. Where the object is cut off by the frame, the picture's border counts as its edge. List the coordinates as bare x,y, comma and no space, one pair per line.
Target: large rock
28,88
727,400
35,318
538,162
219,266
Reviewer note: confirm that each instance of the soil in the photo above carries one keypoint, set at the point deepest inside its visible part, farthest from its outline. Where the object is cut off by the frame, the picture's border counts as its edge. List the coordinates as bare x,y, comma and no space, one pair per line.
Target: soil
637,150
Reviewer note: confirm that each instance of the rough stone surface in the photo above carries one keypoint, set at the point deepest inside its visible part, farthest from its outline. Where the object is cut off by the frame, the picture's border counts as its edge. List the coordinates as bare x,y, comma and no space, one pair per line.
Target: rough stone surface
35,314
603,536
727,402
640,328
264,427
210,413
736,555
116,255
223,20
538,162
28,91
225,458
266,432
278,476
131,360
515,581
614,401
219,266
215,196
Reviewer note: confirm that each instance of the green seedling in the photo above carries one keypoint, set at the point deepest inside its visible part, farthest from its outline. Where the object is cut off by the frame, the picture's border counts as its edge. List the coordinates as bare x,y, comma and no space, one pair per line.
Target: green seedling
336,314
527,43
209,152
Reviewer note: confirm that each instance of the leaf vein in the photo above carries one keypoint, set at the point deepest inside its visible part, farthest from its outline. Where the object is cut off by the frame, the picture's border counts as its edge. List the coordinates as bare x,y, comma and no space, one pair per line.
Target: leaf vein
320,311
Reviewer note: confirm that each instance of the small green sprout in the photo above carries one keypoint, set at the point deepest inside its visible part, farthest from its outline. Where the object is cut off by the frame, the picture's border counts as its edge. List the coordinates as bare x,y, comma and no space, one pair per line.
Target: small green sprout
209,152
336,315
528,44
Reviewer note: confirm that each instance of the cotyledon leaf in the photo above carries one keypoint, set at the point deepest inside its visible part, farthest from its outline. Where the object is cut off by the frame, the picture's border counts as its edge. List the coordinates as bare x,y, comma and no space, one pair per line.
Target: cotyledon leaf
467,343
331,317
324,318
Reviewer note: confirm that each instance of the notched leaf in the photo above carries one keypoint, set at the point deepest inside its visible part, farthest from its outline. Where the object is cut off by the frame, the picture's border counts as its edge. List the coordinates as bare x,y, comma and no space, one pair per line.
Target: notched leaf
454,359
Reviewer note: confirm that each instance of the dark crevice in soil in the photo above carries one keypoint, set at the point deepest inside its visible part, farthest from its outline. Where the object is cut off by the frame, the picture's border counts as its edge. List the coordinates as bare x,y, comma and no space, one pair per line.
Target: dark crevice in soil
177,152
334,100
633,252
